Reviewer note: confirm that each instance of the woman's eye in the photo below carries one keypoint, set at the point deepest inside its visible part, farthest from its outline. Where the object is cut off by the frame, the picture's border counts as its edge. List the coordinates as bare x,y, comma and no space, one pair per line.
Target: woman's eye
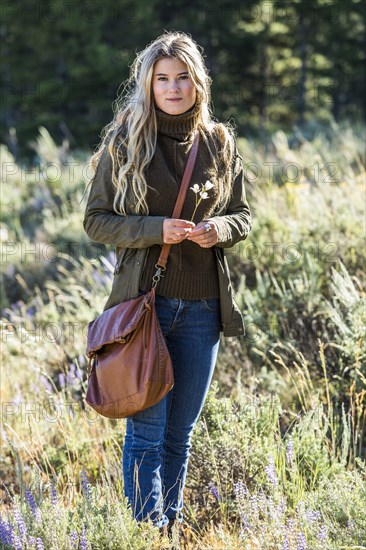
185,76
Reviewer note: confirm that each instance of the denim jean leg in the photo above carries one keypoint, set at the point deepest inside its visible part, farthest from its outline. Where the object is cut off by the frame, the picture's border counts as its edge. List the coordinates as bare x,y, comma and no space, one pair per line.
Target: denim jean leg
142,463
142,455
158,440
193,342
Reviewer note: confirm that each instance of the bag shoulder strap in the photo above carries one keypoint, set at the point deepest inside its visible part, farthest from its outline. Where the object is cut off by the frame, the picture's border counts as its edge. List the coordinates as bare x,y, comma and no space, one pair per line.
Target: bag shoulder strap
163,258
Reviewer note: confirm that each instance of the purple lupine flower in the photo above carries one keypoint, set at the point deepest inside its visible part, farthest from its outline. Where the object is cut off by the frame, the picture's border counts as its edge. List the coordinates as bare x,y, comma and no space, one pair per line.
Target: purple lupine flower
313,516
79,373
270,470
30,312
83,540
286,544
17,305
70,375
290,453
281,508
215,491
39,544
72,378
54,498
32,503
81,360
262,502
31,541
254,505
16,542
3,530
20,521
86,485
291,526
46,383
245,522
74,539
61,380
6,531
322,533
240,491
301,542
350,524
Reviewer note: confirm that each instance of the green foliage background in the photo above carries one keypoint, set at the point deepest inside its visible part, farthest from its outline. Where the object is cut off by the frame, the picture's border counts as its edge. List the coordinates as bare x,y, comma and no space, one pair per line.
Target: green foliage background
274,64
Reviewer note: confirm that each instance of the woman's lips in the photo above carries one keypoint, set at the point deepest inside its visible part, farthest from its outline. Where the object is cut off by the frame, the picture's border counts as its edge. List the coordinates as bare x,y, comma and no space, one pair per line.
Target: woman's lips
176,99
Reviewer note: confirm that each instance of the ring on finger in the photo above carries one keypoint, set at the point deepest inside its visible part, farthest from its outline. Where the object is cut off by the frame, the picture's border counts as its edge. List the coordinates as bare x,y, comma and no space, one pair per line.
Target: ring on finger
207,227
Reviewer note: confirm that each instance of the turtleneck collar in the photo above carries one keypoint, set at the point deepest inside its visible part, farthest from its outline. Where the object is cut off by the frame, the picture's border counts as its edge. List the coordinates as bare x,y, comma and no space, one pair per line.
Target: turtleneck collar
177,126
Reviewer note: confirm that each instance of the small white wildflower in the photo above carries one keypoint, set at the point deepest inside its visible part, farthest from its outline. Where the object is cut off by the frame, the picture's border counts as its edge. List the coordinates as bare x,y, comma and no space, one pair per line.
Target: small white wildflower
208,185
201,192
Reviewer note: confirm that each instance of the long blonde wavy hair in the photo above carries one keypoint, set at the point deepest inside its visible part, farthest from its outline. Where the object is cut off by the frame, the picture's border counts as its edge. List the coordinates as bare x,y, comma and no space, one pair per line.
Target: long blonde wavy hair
131,136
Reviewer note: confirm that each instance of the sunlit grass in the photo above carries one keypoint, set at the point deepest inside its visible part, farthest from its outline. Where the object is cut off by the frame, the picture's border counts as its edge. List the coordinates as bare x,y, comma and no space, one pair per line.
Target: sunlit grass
277,460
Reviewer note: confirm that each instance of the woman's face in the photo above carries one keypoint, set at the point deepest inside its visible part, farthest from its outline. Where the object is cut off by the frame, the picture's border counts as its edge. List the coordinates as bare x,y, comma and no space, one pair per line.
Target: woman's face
173,88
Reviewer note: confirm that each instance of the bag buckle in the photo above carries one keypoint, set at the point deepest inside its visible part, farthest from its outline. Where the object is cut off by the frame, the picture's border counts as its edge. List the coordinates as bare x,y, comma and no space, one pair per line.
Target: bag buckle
156,277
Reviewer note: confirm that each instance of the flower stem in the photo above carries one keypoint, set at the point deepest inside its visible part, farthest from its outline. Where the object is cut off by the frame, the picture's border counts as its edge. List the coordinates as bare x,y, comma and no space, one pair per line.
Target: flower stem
194,211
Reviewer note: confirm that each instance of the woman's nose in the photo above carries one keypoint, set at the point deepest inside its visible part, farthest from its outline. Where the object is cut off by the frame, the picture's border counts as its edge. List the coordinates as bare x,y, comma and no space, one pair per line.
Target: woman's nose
174,85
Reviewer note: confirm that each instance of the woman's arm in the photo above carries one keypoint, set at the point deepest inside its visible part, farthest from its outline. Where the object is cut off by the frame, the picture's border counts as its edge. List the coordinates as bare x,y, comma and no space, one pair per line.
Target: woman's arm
103,225
237,222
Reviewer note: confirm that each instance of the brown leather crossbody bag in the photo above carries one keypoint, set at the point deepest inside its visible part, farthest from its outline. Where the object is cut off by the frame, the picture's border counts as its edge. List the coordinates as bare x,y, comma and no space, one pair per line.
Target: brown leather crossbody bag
129,367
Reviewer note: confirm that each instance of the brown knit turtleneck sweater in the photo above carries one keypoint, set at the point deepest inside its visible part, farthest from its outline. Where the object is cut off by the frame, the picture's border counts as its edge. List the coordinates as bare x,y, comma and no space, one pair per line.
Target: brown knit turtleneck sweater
191,271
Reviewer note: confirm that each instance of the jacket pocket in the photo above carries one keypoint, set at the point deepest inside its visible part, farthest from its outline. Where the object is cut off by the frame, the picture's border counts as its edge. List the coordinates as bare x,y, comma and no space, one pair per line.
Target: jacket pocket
122,257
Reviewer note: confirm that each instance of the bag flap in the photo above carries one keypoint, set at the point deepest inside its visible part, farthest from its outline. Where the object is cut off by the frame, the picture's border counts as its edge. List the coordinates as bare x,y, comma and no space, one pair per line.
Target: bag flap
117,322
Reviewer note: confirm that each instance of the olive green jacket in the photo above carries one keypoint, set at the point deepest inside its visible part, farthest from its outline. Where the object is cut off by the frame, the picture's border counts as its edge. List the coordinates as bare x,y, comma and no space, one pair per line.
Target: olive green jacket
133,234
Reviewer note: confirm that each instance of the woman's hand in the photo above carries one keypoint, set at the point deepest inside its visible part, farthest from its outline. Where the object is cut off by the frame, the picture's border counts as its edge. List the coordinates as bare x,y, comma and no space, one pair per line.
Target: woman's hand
175,231
203,236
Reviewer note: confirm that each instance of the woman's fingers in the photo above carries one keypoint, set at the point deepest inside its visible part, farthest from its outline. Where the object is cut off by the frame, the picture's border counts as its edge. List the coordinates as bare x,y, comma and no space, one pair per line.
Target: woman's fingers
204,234
175,230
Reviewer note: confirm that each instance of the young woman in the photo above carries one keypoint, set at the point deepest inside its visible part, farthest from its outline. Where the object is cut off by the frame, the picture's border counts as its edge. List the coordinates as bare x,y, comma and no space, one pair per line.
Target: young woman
139,167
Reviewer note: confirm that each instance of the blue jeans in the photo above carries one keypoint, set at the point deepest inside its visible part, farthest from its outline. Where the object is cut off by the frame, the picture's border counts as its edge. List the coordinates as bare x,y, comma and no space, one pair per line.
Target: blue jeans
158,440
